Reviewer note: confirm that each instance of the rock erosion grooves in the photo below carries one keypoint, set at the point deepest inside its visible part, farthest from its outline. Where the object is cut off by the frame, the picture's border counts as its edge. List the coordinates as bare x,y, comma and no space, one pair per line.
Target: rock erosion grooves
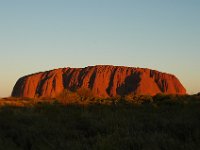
103,81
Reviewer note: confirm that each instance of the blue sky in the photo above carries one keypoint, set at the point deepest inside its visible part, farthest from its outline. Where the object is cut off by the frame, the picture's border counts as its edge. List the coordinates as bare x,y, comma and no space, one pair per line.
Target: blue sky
45,34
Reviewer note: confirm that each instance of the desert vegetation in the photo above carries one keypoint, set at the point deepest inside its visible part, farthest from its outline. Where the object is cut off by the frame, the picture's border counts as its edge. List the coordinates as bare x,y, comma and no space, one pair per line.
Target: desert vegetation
138,122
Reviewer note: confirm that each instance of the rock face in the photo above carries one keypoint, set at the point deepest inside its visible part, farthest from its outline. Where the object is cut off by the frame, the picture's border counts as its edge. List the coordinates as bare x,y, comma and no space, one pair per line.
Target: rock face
103,81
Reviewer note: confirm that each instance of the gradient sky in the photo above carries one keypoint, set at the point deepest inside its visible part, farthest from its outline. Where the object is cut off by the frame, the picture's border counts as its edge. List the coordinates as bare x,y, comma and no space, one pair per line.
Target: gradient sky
40,35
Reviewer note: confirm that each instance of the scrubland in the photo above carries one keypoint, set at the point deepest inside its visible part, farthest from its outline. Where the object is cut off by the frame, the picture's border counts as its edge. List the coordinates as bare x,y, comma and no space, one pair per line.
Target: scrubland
81,122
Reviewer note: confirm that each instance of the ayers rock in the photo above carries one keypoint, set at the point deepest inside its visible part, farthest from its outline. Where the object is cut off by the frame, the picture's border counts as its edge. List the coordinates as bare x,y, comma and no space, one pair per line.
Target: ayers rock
102,80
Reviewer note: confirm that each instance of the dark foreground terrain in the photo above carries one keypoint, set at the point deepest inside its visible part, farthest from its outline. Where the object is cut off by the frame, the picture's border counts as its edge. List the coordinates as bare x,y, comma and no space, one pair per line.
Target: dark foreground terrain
163,123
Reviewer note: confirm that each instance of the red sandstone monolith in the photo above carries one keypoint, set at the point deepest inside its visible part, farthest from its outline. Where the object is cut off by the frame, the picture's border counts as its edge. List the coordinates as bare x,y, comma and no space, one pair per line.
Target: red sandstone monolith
102,80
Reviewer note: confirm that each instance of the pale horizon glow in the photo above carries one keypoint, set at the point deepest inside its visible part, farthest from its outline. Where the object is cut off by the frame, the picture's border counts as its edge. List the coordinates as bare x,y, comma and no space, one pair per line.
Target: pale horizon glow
44,35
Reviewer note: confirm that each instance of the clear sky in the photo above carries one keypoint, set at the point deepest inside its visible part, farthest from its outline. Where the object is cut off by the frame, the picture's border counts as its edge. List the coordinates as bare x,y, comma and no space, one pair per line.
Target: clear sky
39,35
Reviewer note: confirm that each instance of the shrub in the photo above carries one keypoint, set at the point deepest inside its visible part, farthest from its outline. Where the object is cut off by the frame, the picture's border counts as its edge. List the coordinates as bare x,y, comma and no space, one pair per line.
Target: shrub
139,99
168,97
67,96
160,97
85,94
129,97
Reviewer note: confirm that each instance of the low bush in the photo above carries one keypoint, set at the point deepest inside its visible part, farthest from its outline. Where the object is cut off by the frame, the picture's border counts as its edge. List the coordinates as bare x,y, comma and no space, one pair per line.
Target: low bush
78,96
67,97
138,99
85,94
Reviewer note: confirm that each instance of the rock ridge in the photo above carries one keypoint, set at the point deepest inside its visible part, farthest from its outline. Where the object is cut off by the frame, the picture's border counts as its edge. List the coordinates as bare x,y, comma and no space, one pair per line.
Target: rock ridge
103,80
